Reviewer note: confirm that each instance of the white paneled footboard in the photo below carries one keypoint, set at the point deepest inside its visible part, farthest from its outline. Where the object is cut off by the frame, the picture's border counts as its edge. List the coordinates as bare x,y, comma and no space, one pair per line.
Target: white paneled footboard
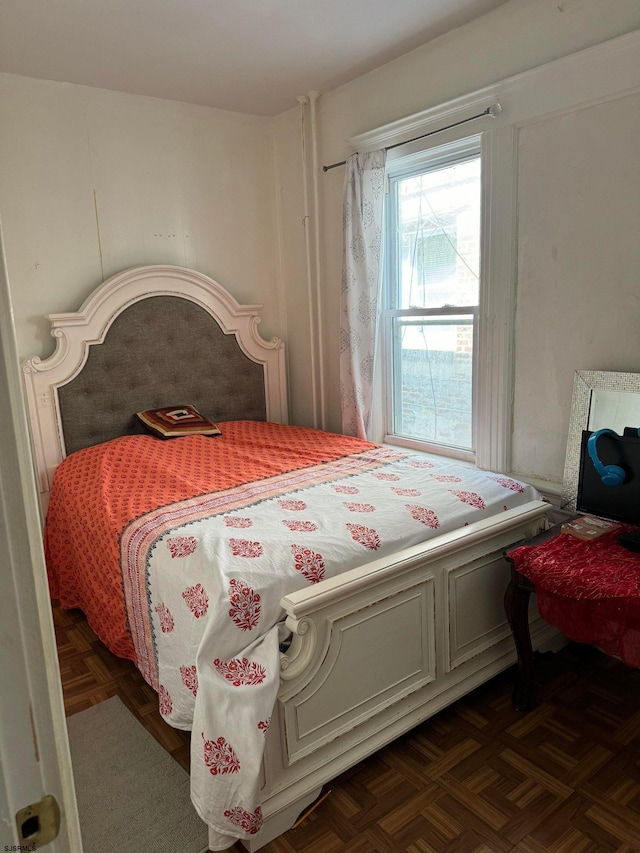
381,648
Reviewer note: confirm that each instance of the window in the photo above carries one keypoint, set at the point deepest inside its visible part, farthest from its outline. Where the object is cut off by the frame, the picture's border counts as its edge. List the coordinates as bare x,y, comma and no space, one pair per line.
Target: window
432,298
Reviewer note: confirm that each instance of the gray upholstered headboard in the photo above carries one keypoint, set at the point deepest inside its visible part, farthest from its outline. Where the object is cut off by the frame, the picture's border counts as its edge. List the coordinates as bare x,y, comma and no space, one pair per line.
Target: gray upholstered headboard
148,337
161,351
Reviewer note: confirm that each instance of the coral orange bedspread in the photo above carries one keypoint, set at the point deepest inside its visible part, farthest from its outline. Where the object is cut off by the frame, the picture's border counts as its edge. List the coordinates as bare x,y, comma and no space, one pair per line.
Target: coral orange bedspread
98,491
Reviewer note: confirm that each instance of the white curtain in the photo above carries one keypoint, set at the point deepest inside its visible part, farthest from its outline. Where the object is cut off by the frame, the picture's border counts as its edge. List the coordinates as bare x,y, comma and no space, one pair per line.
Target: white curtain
361,280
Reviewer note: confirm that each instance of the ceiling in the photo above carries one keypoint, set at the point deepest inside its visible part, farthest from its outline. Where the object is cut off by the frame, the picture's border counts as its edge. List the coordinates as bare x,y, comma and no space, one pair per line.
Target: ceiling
252,56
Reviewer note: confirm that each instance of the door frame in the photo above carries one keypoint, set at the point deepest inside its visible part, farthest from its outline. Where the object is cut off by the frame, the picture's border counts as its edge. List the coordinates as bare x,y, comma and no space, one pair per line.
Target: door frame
34,742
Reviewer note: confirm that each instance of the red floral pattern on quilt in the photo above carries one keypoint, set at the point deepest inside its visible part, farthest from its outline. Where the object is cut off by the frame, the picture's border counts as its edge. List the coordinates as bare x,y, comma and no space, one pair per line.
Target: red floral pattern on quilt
508,483
245,548
237,521
189,677
304,526
308,562
181,546
470,498
241,671
167,623
424,516
245,605
248,821
165,704
357,507
366,536
220,756
197,600
294,506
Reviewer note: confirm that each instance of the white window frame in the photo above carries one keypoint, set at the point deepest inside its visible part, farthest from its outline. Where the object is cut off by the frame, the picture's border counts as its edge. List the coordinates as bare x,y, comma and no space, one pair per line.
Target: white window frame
497,307
428,158
496,311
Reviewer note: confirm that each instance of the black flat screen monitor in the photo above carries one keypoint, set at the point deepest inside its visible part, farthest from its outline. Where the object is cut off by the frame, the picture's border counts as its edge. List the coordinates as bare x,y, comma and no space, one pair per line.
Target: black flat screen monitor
619,503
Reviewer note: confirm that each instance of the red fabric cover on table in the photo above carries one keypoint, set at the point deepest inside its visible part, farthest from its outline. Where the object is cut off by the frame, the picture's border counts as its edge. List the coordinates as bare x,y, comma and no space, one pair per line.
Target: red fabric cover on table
590,590
86,508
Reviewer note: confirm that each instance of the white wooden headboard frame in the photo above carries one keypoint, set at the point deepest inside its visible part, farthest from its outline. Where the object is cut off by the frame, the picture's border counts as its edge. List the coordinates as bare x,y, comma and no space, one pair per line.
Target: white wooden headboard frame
76,332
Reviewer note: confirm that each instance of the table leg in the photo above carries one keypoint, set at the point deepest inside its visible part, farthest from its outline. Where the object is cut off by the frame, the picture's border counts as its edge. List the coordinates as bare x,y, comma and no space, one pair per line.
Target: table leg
516,605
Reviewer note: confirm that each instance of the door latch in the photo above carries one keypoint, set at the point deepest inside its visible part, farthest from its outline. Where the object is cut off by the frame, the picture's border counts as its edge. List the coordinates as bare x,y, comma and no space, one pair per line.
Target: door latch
39,823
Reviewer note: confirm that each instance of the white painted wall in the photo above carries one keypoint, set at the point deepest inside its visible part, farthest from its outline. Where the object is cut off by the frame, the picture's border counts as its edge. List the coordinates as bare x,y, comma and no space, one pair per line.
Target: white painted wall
93,182
561,172
579,262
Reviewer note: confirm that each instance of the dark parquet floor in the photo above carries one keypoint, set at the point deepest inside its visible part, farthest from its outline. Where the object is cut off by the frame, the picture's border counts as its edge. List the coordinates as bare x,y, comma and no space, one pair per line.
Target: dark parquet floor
477,778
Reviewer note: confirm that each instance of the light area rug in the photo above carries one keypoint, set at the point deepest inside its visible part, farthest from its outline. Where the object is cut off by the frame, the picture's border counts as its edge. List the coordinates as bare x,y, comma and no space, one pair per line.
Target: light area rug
132,795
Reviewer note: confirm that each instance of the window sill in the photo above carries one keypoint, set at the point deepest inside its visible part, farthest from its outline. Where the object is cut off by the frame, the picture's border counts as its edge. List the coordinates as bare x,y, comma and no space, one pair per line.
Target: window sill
452,454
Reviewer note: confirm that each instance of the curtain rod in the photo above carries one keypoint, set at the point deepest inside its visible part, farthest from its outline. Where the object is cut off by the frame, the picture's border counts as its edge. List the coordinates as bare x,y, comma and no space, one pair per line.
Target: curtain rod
494,111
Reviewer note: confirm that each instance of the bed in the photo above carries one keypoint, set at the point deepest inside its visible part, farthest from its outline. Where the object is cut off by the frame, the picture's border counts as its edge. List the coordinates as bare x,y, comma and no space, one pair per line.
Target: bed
297,599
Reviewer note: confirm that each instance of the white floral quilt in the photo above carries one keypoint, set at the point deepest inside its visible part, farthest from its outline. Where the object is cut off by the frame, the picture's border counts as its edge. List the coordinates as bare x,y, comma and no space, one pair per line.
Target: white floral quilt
204,578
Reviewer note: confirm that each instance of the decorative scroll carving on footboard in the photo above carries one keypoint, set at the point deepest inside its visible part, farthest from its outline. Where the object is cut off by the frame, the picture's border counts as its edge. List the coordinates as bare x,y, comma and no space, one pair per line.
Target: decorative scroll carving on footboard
302,649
